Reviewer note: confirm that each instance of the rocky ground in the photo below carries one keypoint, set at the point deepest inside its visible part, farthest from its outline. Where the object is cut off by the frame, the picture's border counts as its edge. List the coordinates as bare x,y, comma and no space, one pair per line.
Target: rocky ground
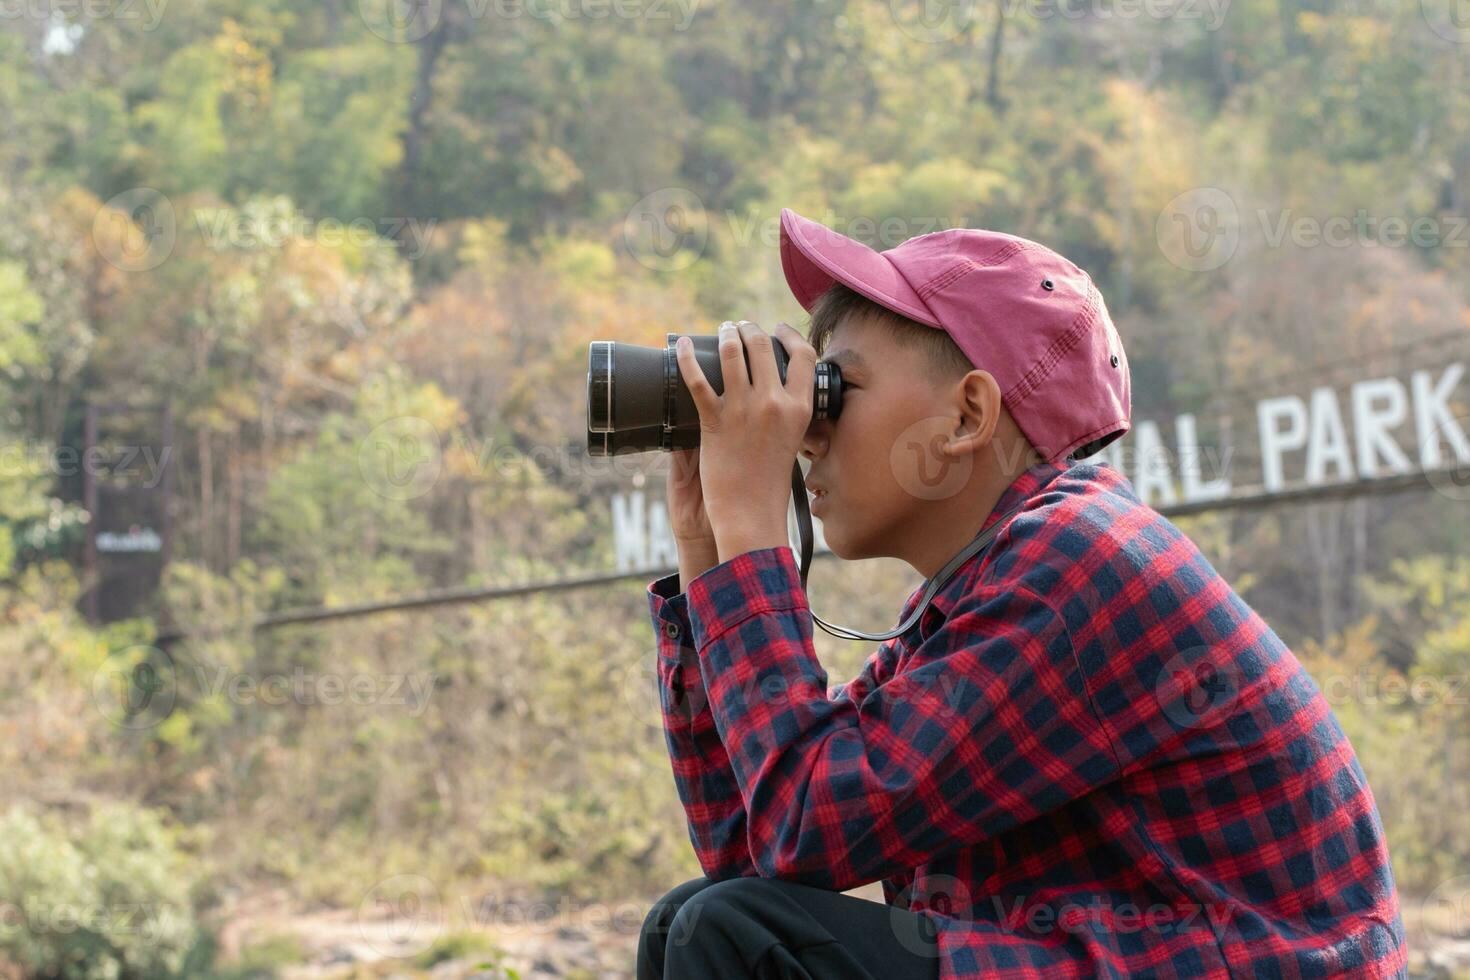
539,940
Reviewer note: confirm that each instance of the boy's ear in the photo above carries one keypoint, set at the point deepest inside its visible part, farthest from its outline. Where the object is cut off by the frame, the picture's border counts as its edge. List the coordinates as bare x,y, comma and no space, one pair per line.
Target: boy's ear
977,410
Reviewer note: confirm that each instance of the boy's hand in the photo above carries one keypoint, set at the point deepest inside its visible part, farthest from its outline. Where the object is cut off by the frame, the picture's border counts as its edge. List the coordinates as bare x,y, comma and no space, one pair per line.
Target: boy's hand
689,518
750,435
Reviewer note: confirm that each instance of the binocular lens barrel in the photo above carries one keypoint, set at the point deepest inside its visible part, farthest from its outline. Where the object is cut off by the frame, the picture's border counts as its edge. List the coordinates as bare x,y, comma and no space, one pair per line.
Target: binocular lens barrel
637,400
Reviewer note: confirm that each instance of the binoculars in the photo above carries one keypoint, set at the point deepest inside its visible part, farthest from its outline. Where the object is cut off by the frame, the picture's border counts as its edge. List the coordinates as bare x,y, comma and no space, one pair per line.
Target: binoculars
637,400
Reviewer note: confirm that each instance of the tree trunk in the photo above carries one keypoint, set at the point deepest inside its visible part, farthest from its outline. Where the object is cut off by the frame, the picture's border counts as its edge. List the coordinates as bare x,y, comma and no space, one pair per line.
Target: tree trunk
997,43
206,499
236,501
430,48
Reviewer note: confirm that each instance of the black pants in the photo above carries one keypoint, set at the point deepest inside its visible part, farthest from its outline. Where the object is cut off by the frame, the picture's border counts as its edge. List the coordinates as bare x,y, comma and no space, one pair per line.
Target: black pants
759,927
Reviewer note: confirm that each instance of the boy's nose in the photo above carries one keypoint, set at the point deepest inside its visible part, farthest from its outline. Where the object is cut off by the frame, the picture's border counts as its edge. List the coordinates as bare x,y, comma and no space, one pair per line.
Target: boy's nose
814,441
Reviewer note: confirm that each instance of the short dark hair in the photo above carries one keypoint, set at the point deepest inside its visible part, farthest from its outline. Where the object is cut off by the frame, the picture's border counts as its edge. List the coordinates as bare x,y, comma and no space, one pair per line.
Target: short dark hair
840,302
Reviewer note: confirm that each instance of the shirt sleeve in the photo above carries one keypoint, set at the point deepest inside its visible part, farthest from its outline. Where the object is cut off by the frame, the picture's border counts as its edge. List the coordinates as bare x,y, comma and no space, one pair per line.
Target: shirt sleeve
986,726
706,785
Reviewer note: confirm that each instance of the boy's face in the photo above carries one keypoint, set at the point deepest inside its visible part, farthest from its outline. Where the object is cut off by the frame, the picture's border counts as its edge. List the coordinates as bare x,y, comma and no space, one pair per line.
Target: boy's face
885,478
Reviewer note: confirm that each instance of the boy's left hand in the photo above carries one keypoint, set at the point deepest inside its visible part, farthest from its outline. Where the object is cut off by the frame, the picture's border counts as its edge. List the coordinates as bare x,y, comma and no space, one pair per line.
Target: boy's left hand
750,435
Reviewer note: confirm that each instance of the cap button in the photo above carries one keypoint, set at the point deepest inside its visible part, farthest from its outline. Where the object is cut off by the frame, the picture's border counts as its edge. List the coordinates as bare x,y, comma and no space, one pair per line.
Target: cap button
1113,360
1048,285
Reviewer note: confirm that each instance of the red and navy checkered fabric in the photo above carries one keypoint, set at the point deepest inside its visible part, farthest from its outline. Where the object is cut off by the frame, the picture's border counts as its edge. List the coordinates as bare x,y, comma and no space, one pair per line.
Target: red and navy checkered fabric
1088,758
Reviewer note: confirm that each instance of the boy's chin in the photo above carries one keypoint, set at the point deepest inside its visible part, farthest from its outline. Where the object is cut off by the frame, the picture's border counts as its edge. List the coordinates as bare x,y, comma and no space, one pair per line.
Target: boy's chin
841,545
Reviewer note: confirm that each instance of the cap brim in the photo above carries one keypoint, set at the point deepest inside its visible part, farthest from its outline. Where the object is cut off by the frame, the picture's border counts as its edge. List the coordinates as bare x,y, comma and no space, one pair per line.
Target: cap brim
814,256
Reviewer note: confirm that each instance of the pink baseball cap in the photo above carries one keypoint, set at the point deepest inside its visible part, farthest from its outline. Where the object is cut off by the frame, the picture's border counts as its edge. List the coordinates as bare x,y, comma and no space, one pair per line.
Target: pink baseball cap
1019,310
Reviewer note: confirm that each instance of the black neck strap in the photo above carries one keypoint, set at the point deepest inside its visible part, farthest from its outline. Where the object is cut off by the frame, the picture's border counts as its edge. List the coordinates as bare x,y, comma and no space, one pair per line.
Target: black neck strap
804,531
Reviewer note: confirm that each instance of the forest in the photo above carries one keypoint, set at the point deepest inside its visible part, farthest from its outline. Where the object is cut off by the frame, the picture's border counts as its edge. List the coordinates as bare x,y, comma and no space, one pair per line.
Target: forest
262,255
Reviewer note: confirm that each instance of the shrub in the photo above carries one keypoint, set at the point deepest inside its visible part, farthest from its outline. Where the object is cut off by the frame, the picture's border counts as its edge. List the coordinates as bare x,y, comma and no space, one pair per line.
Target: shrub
107,900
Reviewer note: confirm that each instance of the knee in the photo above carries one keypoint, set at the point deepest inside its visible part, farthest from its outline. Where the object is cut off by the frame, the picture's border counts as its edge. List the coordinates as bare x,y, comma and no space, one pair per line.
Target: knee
664,910
714,908
654,934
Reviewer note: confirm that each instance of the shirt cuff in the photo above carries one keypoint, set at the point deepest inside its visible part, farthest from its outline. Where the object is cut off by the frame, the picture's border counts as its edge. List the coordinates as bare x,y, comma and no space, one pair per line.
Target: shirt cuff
669,609
754,582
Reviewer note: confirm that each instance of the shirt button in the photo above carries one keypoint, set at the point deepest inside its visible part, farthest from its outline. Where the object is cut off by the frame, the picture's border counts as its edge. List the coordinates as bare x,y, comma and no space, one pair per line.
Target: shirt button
671,630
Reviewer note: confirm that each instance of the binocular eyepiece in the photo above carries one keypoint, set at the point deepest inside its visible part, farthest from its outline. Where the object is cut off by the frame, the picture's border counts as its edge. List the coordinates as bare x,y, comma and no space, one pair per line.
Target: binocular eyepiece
637,400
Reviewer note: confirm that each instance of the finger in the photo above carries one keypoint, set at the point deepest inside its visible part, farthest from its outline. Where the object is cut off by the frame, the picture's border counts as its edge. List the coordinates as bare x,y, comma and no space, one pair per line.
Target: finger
683,467
801,369
700,390
759,349
732,358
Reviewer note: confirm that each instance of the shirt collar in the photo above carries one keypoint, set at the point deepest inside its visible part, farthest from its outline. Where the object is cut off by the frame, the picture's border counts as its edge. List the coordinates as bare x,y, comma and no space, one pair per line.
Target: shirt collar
1025,486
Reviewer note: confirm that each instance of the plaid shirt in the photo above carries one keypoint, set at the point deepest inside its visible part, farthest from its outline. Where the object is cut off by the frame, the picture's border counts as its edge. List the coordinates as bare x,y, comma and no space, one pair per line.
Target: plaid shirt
1088,758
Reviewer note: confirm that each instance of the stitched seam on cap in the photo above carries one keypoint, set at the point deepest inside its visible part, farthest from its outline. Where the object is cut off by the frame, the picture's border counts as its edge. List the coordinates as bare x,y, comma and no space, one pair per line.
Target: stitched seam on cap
967,266
1058,349
944,279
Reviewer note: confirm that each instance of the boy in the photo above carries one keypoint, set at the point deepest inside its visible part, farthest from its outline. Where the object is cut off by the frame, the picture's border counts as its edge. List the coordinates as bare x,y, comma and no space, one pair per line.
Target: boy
1088,757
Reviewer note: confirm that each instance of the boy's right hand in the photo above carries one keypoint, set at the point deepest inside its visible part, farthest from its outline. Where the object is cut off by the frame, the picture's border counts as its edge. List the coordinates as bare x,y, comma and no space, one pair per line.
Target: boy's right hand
688,518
